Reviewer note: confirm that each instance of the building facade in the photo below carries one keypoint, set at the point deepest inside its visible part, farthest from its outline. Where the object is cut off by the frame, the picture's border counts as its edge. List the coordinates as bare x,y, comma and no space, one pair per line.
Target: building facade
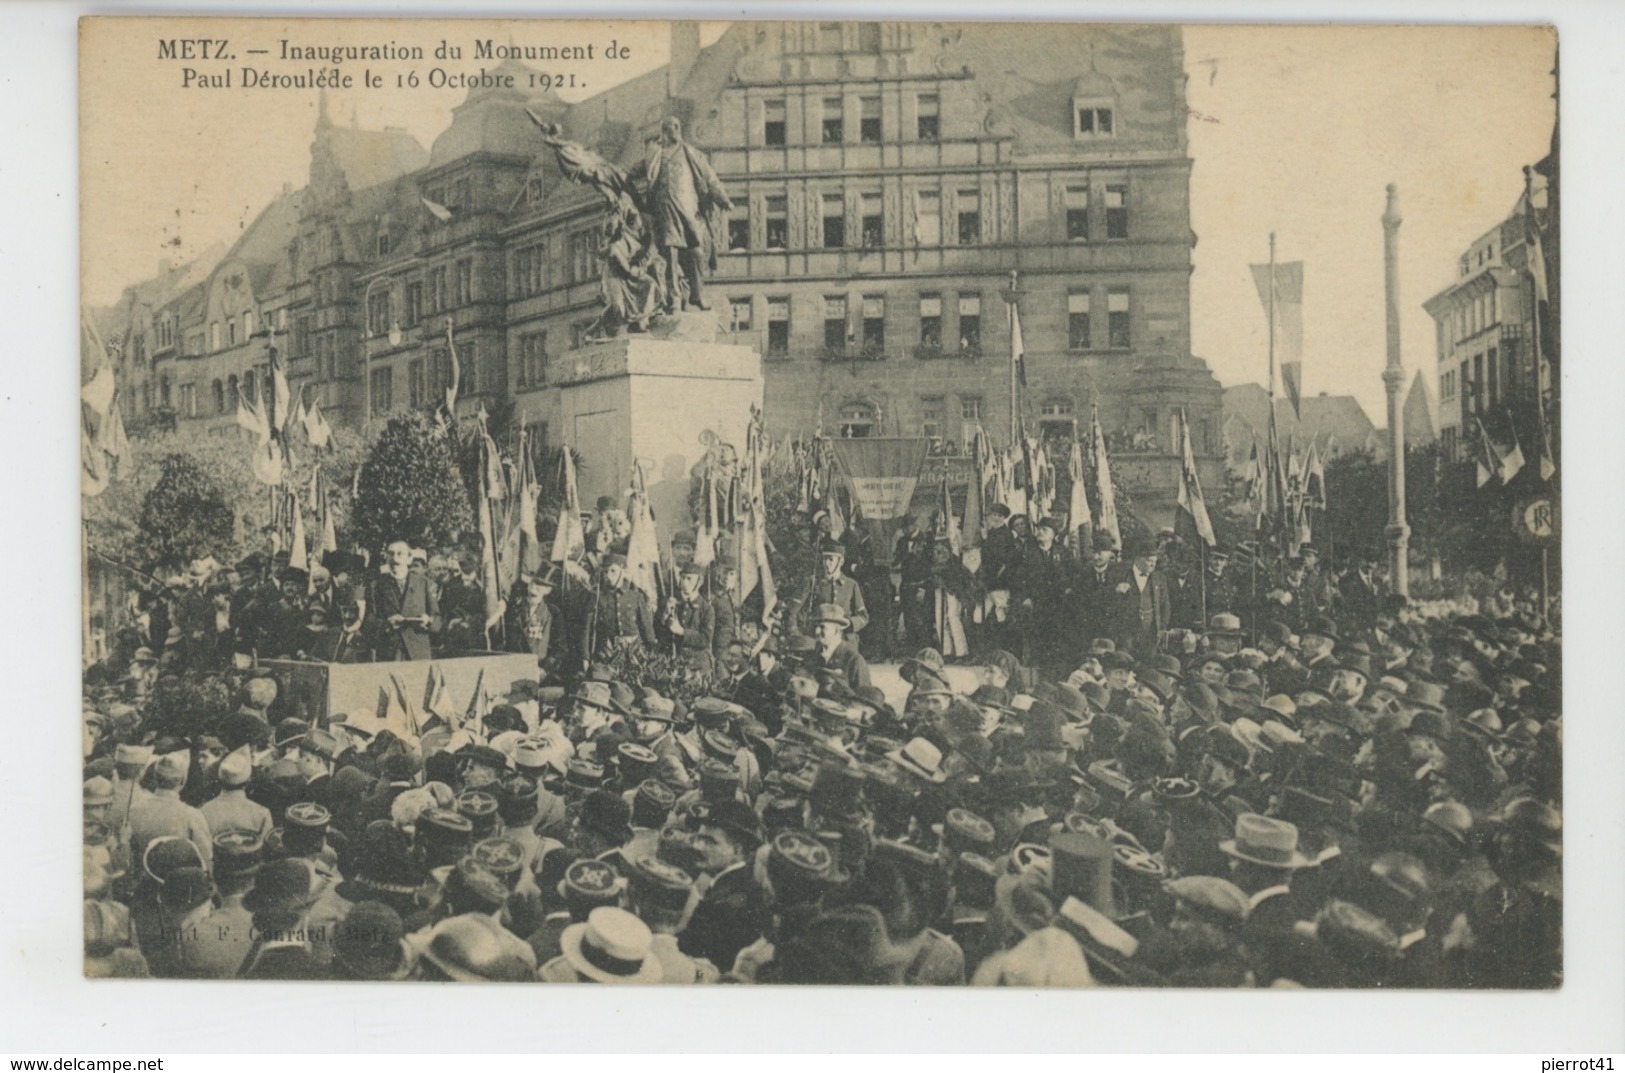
888,179
1484,324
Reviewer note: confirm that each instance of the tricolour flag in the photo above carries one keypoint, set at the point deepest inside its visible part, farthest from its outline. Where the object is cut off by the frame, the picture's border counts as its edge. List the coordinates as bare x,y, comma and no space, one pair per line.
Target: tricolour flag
1282,294
1105,495
317,430
569,542
1018,348
1512,461
1079,521
643,544
1192,507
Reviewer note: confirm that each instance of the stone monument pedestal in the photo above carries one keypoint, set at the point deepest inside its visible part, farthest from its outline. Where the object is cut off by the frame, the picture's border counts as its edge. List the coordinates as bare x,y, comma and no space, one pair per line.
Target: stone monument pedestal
653,396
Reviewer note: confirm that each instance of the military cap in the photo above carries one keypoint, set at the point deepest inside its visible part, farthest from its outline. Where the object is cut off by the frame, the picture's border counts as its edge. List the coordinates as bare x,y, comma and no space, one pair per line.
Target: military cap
656,883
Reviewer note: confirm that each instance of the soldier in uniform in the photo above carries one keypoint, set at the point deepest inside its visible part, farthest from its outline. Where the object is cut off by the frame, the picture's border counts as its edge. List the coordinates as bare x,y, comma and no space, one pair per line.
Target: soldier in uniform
835,587
620,617
689,622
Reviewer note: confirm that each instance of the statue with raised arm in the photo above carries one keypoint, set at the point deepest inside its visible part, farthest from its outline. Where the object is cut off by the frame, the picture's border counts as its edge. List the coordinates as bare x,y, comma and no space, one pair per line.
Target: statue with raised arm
685,201
665,215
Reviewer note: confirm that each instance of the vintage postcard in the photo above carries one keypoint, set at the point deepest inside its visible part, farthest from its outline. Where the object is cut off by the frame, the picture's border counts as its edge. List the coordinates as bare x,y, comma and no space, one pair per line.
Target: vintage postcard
1037,505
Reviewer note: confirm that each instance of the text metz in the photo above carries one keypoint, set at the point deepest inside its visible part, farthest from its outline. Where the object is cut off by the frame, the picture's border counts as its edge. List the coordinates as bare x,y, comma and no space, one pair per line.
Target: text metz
188,48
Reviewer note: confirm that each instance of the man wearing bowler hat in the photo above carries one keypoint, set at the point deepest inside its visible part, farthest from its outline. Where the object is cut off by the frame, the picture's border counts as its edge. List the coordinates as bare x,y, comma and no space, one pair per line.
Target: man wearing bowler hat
836,654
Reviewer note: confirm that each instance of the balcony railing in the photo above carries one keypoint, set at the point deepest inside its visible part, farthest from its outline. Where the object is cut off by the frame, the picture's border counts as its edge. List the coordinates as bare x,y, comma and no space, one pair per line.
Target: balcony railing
852,352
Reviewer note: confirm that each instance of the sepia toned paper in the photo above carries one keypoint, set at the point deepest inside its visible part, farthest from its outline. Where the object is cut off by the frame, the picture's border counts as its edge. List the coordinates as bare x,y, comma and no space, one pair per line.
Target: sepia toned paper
1176,294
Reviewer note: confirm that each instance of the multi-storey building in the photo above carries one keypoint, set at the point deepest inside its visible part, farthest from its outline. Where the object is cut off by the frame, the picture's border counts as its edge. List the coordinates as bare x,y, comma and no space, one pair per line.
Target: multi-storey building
1484,322
888,179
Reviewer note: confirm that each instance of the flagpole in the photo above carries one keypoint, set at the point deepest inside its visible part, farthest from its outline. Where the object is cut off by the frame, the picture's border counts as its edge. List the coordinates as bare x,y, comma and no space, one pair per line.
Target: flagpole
1272,324
1015,429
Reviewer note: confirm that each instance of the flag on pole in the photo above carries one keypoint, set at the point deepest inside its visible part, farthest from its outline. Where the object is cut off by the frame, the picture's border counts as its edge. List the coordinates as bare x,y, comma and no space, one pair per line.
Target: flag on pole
643,544
1548,468
754,568
437,695
1018,348
946,529
479,704
1512,461
1314,479
1486,458
705,539
298,550
490,494
437,210
317,430
1534,255
569,541
1288,313
531,555
412,722
1104,492
1078,516
279,400
1192,507
250,417
974,521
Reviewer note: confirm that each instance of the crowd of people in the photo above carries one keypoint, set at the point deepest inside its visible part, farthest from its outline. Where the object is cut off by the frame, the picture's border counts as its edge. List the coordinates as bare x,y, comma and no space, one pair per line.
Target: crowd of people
1100,770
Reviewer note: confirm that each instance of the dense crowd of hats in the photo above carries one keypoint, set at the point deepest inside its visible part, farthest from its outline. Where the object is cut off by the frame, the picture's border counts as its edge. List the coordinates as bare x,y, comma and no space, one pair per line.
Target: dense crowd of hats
1363,799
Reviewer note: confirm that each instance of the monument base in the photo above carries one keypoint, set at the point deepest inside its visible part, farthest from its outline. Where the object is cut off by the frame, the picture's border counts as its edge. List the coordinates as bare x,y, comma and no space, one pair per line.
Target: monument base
649,398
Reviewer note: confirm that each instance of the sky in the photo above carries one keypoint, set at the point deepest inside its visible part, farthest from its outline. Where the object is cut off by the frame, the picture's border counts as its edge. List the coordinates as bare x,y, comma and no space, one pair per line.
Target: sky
1297,131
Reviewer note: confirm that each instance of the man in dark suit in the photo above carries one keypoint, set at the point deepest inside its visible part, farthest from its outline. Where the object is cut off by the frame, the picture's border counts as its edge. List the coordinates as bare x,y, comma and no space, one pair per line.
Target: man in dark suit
835,652
1043,592
1095,590
724,605
1145,606
732,913
407,611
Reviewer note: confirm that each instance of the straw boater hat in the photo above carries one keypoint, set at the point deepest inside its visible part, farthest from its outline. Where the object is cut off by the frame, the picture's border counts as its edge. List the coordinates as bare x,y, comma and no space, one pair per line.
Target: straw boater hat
611,947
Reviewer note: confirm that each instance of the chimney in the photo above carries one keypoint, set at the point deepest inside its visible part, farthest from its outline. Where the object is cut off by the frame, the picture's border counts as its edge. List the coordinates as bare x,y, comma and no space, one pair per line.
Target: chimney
685,49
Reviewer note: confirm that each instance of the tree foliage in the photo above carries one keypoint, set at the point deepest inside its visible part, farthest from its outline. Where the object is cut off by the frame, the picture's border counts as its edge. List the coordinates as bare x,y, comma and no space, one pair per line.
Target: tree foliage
410,488
112,518
184,516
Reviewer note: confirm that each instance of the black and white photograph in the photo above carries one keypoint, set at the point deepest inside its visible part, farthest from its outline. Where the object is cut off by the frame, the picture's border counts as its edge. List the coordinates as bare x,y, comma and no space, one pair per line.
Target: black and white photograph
1065,505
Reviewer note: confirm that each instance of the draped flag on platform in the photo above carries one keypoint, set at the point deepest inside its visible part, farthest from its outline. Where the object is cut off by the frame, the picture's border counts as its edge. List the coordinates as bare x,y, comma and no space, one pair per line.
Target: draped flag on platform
880,474
1282,295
